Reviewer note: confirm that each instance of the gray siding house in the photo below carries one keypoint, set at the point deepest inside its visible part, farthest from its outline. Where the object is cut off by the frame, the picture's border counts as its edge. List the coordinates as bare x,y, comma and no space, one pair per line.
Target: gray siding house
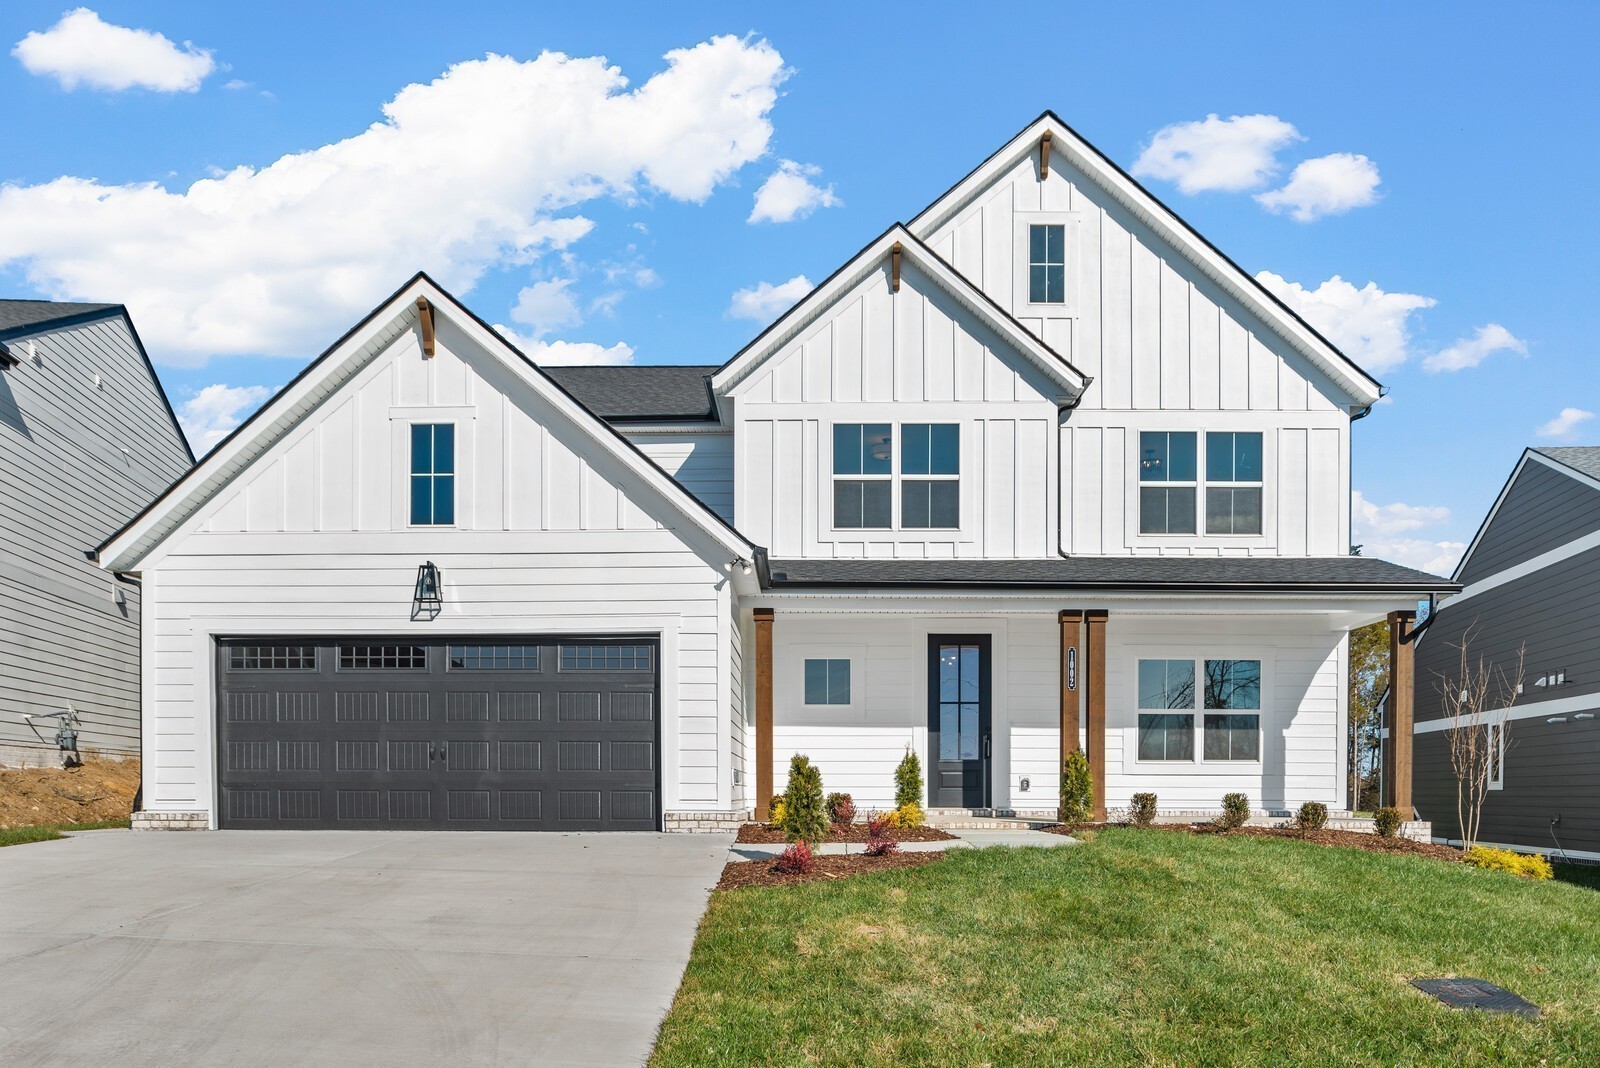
1531,579
87,439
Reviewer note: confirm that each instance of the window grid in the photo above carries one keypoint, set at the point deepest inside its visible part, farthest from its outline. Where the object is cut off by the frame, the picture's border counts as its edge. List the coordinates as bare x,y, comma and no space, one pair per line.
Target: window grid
827,681
1233,482
1230,728
865,453
383,657
494,658
932,499
433,470
1047,263
272,658
606,658
1168,482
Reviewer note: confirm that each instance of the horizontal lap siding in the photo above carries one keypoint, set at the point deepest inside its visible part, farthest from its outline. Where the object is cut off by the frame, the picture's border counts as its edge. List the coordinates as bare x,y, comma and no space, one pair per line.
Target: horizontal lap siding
1544,509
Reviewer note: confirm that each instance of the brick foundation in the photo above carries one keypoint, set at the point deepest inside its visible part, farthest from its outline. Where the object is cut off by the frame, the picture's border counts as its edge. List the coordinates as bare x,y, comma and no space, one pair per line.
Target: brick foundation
171,821
705,822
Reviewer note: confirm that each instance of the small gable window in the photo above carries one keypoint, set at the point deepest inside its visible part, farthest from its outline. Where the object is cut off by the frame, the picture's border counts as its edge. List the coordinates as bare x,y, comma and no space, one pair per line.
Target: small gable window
1167,482
433,474
1047,263
863,453
930,466
1233,483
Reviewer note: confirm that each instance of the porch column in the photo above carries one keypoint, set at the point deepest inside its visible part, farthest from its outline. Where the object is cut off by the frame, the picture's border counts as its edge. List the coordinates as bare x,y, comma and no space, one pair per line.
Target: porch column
1071,679
763,619
1095,683
1397,784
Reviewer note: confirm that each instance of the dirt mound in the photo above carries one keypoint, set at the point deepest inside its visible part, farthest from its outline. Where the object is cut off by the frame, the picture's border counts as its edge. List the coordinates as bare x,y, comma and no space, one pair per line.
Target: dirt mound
94,792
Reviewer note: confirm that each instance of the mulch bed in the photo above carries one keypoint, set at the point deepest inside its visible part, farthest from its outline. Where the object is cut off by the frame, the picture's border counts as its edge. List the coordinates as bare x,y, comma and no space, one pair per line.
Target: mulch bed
1372,843
742,873
765,834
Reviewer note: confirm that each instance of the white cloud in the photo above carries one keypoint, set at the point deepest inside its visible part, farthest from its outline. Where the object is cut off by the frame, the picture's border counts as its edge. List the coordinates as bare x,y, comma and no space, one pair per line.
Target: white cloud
1368,325
1564,427
83,50
1471,351
1231,155
1328,185
237,84
789,194
765,302
546,306
476,169
554,353
209,416
1382,531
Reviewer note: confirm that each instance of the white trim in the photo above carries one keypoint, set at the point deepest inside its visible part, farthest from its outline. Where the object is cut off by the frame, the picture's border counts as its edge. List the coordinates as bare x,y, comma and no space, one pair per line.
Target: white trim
1556,706
1528,567
1518,570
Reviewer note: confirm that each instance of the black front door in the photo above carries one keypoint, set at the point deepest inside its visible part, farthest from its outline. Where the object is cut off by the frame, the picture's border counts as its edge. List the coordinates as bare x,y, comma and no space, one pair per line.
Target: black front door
958,720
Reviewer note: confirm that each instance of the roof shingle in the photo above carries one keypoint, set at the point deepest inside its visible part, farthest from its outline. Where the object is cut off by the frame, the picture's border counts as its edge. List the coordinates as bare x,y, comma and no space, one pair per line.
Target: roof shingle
16,314
672,392
1584,458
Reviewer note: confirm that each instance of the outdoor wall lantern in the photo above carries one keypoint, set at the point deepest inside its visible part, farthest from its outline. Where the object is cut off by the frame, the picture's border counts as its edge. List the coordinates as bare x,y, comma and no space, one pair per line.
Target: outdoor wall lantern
428,600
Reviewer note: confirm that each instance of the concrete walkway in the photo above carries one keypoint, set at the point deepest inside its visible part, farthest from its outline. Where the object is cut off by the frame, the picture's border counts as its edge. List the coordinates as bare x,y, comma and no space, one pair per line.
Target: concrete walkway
965,839
346,948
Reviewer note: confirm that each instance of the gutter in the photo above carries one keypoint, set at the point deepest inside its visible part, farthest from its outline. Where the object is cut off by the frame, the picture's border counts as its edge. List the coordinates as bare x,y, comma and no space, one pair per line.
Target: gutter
1131,587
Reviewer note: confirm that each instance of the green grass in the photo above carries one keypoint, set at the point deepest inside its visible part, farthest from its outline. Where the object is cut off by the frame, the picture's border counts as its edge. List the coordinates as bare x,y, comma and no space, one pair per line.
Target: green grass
49,832
1142,947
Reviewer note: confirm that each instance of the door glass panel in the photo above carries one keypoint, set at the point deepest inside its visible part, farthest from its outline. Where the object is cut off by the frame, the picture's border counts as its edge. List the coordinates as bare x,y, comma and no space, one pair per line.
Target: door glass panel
969,732
949,674
949,731
969,672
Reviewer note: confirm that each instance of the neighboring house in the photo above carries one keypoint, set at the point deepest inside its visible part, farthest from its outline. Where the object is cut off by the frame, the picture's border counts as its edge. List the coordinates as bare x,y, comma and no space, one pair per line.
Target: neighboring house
87,439
1531,581
1040,468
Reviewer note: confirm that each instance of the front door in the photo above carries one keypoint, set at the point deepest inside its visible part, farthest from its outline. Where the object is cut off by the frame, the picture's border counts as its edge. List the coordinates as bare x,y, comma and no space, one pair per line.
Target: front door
958,720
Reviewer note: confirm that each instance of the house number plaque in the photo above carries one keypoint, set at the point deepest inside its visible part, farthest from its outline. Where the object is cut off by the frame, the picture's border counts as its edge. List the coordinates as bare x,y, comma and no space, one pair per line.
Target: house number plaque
1072,668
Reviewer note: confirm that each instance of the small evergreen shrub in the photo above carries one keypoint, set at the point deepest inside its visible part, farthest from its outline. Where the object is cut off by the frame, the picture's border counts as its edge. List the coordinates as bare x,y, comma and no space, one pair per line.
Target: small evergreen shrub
907,817
1526,865
1388,820
1142,810
804,817
796,860
880,825
908,781
776,810
881,847
841,810
1235,810
1077,788
1313,816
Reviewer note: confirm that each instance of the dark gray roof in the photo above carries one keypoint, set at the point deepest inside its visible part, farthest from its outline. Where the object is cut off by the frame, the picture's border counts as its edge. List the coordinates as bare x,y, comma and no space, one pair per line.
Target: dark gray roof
640,393
16,314
1585,458
1355,574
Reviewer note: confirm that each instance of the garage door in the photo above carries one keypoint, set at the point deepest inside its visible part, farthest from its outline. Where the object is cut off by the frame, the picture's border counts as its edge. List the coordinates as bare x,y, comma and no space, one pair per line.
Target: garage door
470,734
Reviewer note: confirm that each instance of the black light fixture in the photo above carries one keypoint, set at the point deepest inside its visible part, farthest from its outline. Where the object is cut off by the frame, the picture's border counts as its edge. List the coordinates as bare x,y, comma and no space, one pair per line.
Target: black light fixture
429,596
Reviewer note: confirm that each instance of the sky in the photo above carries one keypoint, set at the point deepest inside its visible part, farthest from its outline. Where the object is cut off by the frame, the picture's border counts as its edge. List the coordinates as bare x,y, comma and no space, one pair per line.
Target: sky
655,183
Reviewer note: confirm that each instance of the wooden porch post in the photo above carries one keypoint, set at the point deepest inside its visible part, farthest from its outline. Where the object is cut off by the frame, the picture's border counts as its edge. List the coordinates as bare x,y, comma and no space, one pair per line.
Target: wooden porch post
763,618
1397,784
1071,679
1095,680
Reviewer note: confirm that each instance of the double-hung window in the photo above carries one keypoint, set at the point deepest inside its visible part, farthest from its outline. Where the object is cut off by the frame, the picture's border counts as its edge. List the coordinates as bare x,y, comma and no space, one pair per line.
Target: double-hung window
1233,710
1171,482
1233,483
1228,704
863,470
1047,263
433,474
930,469
1166,710
1167,482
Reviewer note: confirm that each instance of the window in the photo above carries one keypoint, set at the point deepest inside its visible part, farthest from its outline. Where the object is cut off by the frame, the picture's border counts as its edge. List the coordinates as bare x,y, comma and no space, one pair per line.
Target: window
1233,483
1166,482
1165,685
1230,734
433,474
1497,757
272,658
389,657
931,451
1047,264
827,682
494,658
864,451
606,658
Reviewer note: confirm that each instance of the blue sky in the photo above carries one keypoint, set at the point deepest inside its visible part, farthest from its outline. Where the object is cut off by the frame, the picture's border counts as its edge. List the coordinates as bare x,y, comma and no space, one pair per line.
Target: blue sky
626,228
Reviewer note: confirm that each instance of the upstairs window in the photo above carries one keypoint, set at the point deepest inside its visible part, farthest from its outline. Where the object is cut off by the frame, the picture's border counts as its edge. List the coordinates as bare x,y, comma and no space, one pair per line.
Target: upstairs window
1233,483
1167,482
930,469
863,453
1047,263
433,474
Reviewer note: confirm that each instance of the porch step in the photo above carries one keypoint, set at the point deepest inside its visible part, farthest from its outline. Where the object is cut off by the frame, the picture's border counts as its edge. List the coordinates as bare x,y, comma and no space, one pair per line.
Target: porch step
985,820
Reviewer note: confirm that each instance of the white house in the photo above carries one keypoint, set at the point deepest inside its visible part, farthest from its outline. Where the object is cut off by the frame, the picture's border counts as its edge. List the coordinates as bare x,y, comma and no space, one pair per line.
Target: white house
1039,469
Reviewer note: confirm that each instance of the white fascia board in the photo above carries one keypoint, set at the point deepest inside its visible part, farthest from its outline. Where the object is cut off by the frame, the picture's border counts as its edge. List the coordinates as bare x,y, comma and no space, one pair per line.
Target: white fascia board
1341,612
1572,548
819,300
1362,388
1472,546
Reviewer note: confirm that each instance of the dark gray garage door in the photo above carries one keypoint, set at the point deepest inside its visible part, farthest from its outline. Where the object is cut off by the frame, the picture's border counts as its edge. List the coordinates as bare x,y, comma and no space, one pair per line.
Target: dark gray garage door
470,734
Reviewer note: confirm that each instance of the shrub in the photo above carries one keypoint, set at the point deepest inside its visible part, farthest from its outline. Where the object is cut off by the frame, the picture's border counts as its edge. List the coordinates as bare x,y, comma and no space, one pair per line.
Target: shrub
796,860
1077,788
1142,810
908,781
880,825
881,847
906,817
841,810
804,819
776,811
1526,865
1388,821
1235,810
1313,816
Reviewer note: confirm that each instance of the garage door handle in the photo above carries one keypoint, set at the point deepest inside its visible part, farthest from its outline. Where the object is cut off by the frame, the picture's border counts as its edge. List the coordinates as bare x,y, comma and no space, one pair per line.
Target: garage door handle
433,753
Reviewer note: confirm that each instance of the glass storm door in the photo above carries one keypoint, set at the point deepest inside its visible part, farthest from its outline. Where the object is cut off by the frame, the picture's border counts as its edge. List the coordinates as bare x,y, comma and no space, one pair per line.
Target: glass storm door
958,720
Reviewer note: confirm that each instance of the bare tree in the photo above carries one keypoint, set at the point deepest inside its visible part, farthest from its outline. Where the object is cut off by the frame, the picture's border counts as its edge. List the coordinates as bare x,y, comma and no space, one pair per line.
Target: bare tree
1475,700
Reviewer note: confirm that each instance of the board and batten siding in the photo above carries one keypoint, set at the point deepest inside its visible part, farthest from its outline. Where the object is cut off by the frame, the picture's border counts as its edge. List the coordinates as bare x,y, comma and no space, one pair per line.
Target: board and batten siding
314,537
702,460
78,458
916,356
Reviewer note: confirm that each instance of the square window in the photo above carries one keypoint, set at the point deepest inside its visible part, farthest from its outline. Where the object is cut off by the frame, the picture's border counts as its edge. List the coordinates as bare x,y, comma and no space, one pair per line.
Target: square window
1232,737
859,505
1166,456
827,682
930,449
1166,510
862,449
1166,736
930,505
1233,684
1166,684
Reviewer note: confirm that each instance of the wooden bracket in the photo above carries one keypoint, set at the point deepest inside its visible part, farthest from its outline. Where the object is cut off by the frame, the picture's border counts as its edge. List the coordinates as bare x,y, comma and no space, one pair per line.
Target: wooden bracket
1044,156
894,267
425,316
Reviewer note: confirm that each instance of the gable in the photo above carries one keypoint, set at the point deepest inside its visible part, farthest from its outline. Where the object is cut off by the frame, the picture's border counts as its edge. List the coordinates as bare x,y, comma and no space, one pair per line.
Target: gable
1541,508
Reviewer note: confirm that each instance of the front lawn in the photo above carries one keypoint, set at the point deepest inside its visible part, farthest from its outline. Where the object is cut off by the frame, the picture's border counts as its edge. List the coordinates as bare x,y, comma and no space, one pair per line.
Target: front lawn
1141,947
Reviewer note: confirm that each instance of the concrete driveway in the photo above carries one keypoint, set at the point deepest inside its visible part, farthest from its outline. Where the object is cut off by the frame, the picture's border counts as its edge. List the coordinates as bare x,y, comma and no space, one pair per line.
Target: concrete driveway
345,948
